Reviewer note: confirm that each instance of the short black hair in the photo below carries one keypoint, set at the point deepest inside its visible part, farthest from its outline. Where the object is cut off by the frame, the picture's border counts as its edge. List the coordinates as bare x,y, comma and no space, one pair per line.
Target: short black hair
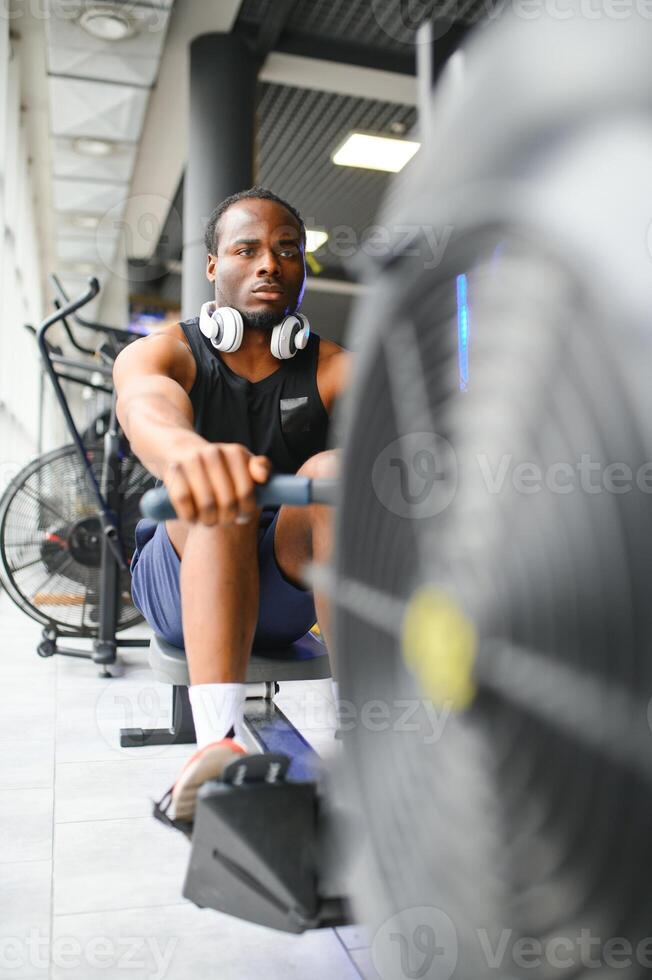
253,193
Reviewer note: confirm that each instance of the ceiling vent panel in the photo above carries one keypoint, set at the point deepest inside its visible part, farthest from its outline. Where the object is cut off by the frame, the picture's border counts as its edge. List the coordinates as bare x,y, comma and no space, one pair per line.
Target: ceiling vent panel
98,109
88,196
116,166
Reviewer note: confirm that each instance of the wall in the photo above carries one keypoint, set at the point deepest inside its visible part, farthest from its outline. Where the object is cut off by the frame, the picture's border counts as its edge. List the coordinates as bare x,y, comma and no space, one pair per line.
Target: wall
21,299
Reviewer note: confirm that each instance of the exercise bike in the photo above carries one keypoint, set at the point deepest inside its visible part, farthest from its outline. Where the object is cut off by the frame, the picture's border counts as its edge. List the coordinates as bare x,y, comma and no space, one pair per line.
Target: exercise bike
68,518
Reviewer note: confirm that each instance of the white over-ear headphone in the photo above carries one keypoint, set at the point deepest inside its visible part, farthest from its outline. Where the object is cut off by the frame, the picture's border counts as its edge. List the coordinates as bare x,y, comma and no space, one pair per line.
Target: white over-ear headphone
224,328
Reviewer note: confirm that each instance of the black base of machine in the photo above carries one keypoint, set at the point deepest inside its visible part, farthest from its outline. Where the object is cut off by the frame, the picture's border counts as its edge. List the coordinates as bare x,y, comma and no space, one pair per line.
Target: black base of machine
102,652
258,847
181,730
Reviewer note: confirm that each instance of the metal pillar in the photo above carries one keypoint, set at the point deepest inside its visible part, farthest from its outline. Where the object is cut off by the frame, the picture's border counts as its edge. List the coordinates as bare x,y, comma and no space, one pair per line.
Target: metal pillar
223,73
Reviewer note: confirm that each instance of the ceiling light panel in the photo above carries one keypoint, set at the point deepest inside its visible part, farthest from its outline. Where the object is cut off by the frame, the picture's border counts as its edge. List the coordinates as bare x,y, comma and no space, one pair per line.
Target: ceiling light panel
117,166
82,222
96,109
133,60
370,151
88,196
108,23
315,239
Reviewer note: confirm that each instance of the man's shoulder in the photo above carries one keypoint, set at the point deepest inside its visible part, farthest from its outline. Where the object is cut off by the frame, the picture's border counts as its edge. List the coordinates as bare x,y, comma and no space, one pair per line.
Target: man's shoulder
174,330
332,371
328,348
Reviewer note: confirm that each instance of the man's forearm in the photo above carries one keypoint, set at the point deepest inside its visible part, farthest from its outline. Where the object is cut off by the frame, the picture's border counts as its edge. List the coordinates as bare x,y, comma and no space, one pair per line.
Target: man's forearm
155,427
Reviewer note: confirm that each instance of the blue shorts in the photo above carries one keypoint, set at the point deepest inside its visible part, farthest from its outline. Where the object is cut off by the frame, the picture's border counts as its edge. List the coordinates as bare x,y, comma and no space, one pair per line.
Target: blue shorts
286,612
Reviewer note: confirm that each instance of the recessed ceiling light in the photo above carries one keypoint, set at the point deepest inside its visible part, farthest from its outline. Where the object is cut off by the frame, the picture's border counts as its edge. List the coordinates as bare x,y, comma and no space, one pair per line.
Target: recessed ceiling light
83,268
85,220
315,239
92,148
107,23
375,152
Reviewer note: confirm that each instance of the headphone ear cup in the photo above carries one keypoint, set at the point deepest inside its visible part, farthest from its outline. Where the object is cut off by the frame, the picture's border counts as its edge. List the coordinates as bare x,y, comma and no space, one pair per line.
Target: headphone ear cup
223,327
232,329
301,339
289,336
275,342
207,324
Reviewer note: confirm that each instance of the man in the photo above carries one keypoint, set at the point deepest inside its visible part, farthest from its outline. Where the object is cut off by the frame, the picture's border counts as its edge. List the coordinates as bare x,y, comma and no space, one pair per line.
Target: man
211,424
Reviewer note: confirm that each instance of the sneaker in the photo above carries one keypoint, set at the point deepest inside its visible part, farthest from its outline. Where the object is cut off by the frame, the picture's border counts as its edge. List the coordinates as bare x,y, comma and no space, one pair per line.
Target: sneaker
207,763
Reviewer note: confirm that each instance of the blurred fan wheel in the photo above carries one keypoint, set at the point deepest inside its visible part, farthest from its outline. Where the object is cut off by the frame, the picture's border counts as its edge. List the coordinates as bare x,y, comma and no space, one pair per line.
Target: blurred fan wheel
51,541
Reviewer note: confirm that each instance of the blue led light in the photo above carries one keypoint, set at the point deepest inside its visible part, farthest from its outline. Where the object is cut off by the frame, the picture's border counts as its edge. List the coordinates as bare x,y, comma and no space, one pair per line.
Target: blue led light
463,332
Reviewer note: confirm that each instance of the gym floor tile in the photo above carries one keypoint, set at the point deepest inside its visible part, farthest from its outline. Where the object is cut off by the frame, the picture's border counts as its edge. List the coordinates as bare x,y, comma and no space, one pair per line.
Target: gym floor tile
182,942
90,732
25,824
29,711
117,875
21,666
112,790
113,864
354,937
364,964
26,763
25,919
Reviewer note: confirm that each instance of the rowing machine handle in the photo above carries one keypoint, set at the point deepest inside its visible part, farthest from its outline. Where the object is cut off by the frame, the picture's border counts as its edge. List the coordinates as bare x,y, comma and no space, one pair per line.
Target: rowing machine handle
282,489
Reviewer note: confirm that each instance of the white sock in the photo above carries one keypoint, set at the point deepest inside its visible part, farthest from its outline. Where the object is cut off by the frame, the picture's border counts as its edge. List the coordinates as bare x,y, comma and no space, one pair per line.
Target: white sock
215,709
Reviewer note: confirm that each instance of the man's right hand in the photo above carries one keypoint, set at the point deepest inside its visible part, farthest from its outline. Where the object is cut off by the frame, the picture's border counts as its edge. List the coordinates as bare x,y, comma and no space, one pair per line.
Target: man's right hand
213,482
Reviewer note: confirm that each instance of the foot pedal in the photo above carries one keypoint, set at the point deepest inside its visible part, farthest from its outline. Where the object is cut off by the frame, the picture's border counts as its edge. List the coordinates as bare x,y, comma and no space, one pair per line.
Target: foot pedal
253,845
268,767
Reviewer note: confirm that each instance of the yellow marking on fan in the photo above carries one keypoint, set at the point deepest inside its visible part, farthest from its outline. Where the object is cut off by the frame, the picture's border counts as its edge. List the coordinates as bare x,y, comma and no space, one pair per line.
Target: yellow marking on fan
440,647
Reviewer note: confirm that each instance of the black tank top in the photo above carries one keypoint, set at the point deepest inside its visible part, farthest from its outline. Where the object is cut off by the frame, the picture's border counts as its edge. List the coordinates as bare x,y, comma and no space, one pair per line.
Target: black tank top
282,416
